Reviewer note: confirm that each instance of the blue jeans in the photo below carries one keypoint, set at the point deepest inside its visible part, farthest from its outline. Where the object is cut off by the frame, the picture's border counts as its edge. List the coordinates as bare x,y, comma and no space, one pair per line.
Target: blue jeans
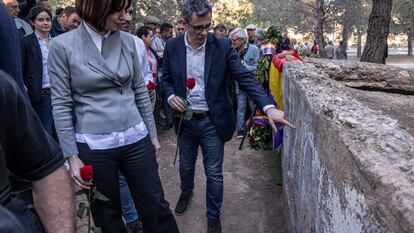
129,212
25,214
242,100
202,133
43,110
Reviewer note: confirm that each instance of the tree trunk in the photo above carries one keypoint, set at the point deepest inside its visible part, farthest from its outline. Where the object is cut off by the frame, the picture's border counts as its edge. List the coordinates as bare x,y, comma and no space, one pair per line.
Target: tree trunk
378,30
359,42
346,24
320,21
410,44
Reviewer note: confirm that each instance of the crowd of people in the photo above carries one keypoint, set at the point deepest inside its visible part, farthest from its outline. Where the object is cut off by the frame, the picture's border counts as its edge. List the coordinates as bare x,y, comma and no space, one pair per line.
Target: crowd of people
333,52
88,87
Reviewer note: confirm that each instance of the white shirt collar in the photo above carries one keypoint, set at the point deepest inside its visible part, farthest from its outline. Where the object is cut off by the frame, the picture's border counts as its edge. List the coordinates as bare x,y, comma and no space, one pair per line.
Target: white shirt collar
40,38
189,46
96,38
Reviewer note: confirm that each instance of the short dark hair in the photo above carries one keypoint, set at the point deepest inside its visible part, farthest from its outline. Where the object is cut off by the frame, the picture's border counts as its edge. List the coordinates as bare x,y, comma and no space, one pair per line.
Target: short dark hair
35,11
165,26
199,7
68,11
58,11
220,26
95,12
143,31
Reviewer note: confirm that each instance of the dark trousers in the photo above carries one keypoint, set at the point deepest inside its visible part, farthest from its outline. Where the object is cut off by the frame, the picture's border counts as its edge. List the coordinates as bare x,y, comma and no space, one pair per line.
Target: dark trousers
43,110
138,164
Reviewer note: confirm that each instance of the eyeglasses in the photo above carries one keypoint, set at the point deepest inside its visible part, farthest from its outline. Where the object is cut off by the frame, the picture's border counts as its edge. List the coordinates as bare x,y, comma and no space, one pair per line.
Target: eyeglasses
234,40
201,28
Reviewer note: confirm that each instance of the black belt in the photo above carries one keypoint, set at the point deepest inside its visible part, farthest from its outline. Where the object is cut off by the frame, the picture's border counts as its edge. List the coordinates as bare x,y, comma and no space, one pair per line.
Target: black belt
46,91
200,115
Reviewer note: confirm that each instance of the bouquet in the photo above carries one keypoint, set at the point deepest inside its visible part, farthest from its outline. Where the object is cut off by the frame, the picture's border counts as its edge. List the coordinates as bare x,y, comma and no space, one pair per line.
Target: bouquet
260,134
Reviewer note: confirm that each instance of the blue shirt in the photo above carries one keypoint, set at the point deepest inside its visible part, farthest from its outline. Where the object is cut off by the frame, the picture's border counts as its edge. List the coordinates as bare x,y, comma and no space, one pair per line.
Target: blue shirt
44,47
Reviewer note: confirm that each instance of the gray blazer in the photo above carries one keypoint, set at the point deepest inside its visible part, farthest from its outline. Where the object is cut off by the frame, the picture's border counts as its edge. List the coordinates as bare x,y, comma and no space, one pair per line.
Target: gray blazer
105,95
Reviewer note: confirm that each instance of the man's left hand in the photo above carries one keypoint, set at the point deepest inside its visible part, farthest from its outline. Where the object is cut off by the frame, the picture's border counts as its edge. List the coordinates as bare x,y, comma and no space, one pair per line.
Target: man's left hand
277,116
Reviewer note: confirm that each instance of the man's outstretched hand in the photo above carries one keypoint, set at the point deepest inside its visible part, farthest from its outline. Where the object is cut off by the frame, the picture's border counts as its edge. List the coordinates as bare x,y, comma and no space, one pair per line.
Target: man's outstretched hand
277,116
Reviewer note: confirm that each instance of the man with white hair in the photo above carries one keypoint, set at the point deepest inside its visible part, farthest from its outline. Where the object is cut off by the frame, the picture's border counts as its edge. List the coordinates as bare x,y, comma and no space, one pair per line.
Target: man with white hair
13,9
249,57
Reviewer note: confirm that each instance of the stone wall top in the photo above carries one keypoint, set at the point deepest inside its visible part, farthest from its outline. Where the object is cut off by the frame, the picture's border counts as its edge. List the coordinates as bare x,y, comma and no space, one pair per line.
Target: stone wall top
383,150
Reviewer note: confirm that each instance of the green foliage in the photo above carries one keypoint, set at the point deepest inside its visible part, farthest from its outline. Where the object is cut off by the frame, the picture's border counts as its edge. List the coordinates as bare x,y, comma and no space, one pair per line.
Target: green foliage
272,35
262,71
61,3
260,138
96,195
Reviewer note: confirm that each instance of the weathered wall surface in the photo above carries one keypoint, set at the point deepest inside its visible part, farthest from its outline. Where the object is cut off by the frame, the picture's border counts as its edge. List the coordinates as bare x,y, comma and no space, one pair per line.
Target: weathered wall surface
346,168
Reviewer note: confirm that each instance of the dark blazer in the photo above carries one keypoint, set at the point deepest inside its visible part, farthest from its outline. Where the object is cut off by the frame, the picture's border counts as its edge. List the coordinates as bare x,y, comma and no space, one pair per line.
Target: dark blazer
221,59
32,67
9,47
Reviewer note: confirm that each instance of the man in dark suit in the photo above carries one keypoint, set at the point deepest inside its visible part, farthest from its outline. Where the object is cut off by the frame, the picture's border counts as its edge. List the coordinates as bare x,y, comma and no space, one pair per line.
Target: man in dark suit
9,45
206,58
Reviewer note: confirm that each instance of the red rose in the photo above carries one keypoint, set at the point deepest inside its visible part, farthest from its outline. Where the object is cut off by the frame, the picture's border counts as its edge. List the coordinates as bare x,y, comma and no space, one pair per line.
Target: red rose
150,86
191,82
86,173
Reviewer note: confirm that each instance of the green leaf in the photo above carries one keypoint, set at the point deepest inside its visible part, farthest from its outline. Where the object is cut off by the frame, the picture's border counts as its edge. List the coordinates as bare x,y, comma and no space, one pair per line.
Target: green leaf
99,196
81,210
96,229
79,192
188,115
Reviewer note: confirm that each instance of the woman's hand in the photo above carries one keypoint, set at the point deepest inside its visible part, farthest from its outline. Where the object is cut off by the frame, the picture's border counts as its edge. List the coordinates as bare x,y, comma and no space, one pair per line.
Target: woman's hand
156,145
74,165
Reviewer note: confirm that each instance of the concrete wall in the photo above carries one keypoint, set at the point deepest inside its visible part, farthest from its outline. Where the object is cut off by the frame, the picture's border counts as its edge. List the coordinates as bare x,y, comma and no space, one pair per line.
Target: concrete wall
346,168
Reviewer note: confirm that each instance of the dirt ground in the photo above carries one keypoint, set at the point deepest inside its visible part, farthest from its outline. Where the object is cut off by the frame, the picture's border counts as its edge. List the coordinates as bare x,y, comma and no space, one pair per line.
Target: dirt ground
253,203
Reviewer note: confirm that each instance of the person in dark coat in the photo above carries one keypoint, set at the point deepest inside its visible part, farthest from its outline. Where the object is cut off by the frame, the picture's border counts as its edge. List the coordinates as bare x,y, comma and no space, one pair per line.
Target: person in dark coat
35,50
9,44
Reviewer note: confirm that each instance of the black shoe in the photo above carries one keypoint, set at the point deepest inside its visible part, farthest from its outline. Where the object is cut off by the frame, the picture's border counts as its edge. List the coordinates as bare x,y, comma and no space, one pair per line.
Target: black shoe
214,226
135,227
182,205
240,134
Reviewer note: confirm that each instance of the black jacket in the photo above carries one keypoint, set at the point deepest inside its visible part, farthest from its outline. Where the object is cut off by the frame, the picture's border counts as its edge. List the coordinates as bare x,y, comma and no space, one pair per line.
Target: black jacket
32,67
26,150
283,45
10,63
56,28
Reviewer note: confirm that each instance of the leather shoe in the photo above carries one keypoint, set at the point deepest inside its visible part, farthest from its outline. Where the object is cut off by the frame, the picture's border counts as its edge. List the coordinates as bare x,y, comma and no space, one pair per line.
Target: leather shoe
214,226
182,205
